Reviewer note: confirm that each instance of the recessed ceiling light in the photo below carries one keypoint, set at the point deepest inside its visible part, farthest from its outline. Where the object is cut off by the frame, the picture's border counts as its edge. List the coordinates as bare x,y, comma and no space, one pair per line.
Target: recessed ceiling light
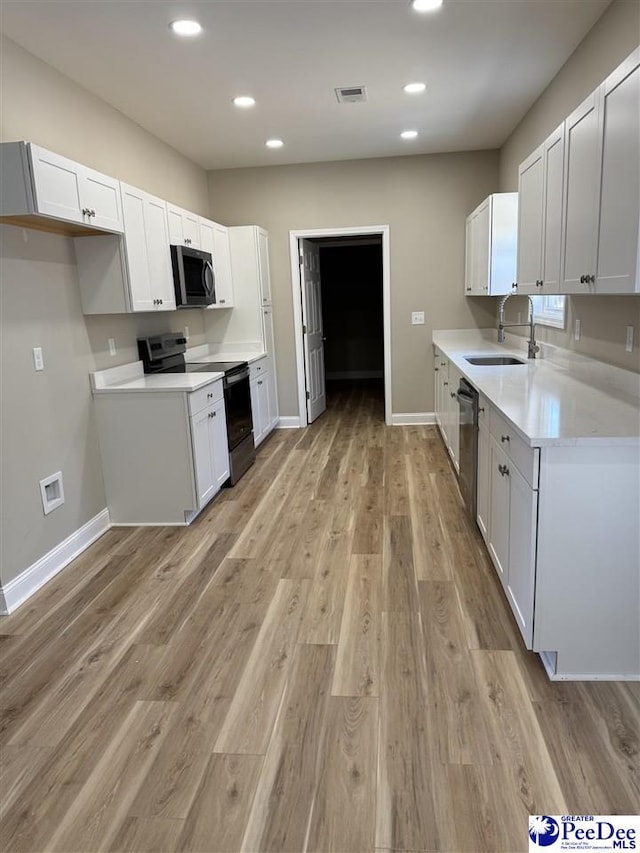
414,88
274,143
409,134
186,28
244,101
426,5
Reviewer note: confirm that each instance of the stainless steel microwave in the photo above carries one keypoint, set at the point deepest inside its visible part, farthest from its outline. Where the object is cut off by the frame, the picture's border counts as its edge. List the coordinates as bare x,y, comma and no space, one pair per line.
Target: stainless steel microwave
193,277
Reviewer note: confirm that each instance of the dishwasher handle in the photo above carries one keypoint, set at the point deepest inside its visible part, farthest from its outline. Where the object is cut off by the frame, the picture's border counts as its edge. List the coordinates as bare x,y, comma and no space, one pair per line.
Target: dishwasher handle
464,396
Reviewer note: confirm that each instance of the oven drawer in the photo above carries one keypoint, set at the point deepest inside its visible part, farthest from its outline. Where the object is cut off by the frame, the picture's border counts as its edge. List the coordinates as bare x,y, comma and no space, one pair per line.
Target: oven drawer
524,457
206,396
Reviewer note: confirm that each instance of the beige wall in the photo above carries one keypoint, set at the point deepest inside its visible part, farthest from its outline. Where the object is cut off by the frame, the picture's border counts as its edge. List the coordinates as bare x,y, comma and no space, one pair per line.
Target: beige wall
47,423
603,318
424,200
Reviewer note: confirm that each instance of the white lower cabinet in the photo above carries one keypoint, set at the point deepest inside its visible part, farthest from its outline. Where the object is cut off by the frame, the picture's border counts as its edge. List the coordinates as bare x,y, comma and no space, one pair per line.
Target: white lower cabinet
446,381
511,516
262,399
483,483
164,453
210,453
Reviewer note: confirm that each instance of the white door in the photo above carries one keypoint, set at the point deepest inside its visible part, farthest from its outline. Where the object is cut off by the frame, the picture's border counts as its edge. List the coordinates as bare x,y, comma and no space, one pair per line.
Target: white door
499,511
206,485
313,333
219,444
101,194
581,196
57,182
523,517
481,240
263,266
222,266
616,270
135,239
553,184
530,216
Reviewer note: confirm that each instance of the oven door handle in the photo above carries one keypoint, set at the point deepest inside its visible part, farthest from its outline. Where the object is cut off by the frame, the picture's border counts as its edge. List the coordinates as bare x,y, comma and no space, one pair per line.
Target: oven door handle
234,378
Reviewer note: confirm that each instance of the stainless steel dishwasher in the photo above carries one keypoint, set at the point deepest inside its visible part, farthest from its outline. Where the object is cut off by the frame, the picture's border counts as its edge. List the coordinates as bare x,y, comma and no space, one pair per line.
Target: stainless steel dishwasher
468,419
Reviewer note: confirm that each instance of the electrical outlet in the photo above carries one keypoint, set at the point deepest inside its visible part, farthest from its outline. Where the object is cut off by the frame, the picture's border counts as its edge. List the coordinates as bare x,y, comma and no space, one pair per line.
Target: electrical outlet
576,329
38,360
629,342
417,318
112,346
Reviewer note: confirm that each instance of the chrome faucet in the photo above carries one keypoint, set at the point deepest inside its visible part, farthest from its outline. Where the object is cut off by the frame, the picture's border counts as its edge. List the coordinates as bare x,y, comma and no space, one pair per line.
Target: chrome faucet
533,348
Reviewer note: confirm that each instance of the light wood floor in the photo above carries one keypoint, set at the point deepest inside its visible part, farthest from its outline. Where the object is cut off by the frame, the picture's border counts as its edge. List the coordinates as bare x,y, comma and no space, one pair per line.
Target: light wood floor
323,661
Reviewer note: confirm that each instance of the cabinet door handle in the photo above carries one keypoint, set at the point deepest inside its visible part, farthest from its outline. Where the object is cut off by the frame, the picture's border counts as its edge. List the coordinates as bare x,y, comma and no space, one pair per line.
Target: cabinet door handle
504,471
222,301
259,381
86,211
445,383
452,393
436,369
209,396
590,279
481,408
514,286
504,438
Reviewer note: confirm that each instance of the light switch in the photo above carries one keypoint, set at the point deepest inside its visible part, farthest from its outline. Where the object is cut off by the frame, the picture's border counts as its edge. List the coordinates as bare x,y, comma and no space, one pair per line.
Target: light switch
38,360
417,318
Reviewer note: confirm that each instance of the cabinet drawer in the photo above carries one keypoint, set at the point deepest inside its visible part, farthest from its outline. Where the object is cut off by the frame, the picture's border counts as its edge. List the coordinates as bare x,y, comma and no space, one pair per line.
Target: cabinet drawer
257,368
205,396
524,457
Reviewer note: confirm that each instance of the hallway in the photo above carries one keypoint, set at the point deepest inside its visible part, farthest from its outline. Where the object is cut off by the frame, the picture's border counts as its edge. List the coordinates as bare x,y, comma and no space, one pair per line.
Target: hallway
323,661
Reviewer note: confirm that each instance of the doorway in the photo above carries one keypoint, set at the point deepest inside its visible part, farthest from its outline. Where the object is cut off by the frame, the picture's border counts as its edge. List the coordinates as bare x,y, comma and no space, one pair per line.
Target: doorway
349,349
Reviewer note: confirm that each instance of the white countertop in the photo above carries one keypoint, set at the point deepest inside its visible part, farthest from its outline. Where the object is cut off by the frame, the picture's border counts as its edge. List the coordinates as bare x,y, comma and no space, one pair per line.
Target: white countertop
548,402
131,377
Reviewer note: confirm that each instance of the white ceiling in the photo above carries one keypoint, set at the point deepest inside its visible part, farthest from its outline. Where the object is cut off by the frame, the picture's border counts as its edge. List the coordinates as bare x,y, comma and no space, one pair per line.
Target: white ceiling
484,62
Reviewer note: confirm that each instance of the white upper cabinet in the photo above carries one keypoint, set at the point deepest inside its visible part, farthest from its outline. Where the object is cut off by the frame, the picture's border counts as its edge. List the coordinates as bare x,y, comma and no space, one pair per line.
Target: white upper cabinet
578,228
184,227
39,182
214,238
490,260
540,182
128,273
147,251
617,262
580,195
263,266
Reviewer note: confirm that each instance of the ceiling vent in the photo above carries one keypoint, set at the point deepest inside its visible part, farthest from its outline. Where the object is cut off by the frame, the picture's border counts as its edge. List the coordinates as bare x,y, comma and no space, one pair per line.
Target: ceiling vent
351,94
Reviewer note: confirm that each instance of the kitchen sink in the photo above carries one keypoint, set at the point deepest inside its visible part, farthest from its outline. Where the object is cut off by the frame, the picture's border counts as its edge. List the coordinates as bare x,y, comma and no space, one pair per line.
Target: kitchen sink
493,359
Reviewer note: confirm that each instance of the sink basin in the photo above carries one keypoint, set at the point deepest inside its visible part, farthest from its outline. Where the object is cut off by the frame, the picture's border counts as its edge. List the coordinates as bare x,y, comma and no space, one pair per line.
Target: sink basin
493,359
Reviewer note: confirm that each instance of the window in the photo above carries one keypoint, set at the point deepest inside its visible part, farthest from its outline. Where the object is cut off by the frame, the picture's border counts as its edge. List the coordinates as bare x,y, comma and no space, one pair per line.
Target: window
550,310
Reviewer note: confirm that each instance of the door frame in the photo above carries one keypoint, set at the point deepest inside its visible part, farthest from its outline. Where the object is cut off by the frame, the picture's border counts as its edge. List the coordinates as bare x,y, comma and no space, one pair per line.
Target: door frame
296,289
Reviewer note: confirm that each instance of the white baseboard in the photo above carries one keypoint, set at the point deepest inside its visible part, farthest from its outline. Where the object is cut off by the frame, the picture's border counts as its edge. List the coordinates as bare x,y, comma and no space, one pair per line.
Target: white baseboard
23,587
289,422
413,418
